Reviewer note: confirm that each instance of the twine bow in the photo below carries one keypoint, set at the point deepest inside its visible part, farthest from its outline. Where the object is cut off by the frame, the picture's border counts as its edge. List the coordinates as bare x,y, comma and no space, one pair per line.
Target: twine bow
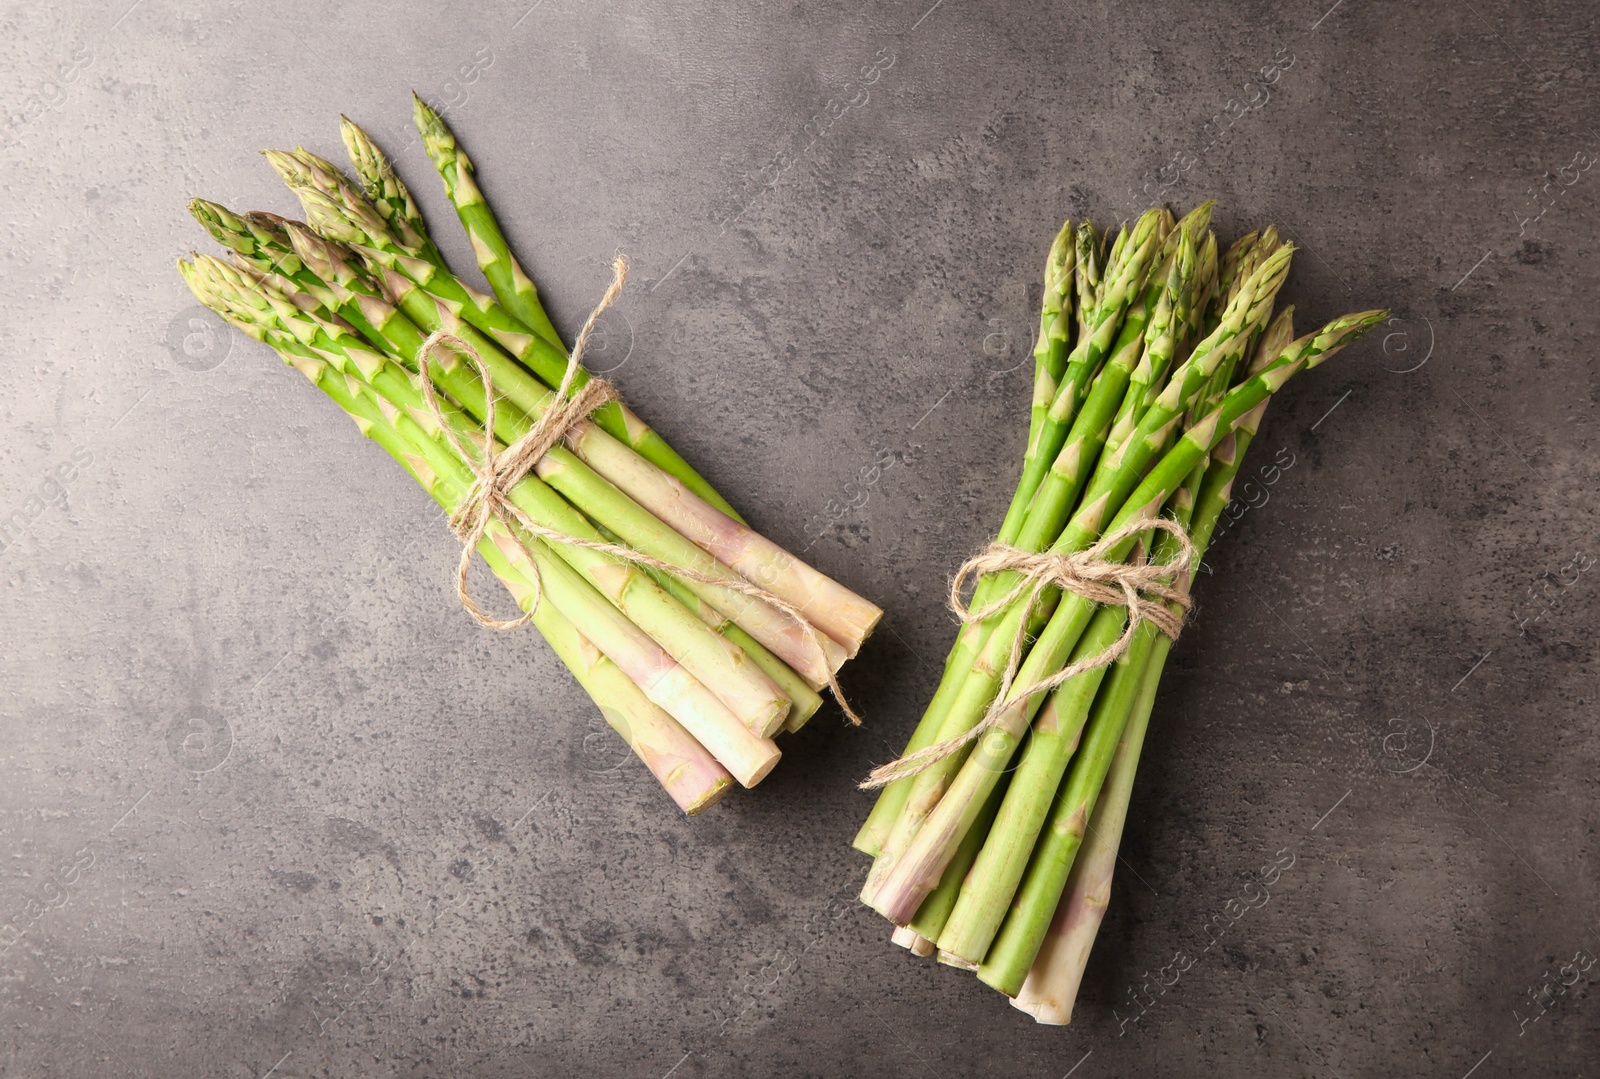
1146,588
498,472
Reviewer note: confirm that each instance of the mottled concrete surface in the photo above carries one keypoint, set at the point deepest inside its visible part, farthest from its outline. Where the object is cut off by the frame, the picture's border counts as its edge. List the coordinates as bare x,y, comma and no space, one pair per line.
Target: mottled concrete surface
273,805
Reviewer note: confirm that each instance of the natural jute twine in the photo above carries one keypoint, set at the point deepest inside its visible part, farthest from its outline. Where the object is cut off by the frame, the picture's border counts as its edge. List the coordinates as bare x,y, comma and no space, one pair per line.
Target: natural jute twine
1144,587
497,473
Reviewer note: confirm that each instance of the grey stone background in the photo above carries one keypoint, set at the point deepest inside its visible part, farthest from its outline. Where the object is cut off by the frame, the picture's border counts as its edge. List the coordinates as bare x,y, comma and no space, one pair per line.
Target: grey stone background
272,804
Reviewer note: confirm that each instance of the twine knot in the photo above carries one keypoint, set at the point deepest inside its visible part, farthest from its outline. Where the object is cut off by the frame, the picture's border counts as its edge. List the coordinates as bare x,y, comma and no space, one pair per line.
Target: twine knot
1153,591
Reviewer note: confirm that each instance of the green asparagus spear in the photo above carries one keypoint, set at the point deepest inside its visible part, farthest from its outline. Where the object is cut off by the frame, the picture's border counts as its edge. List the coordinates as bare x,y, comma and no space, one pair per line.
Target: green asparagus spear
512,286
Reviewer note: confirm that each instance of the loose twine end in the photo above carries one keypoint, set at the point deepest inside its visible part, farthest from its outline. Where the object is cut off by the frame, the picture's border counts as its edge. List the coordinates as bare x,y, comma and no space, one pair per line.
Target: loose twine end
1146,588
496,473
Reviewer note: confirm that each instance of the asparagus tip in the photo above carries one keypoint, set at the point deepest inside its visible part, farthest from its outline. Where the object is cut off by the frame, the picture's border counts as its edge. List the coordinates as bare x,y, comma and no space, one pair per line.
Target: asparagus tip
422,112
438,142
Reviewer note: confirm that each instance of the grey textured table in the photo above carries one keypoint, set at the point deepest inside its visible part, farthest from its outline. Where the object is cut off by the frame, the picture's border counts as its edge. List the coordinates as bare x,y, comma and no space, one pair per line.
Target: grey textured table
272,805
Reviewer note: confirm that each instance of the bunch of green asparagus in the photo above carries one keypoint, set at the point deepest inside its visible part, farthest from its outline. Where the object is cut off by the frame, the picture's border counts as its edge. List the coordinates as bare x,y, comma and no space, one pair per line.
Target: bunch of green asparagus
698,638
1157,355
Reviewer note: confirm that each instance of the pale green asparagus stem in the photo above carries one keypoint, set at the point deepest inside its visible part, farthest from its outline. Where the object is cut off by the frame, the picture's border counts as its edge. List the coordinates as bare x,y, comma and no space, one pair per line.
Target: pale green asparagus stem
690,774
1081,701
989,888
1051,986
1018,844
935,910
805,700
